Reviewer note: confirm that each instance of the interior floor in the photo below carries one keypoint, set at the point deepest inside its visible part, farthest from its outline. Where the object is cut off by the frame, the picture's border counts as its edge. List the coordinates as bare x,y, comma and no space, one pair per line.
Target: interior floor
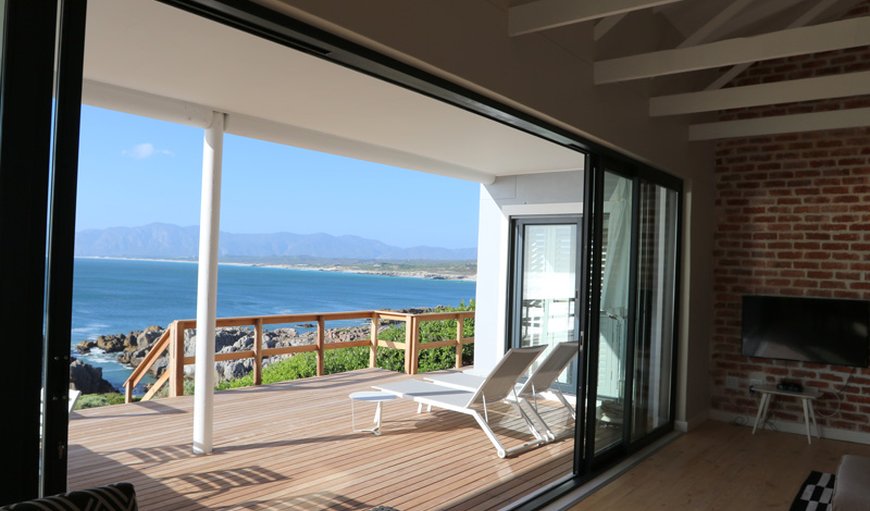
722,466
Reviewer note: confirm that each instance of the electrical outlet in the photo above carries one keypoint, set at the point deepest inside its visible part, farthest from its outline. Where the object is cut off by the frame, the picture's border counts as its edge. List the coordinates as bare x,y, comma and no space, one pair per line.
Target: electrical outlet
731,382
754,383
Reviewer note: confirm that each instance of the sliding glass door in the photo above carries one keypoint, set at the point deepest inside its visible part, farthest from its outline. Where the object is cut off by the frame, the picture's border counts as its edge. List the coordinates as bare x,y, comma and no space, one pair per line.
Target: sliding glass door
613,310
631,266
656,294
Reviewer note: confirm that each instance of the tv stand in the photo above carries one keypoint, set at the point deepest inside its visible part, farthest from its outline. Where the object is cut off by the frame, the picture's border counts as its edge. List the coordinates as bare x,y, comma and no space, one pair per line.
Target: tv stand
807,397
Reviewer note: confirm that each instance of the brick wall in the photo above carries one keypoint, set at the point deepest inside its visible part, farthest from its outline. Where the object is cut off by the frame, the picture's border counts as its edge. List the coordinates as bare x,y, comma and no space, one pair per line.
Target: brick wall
793,219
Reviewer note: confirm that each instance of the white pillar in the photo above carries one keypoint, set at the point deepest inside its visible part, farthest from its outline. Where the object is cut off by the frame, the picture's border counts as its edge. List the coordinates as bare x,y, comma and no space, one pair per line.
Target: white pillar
206,295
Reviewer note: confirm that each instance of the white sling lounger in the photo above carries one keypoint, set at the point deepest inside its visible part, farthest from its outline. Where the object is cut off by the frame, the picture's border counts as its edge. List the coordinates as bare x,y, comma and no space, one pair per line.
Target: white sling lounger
541,379
498,386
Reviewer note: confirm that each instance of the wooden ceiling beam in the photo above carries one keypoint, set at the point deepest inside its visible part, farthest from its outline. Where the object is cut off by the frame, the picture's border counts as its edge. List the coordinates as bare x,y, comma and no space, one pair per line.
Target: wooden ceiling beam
546,14
815,121
703,33
804,89
810,15
604,25
785,43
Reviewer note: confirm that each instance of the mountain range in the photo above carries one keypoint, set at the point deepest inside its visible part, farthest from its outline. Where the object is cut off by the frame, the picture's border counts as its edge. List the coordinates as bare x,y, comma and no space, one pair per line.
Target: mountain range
167,241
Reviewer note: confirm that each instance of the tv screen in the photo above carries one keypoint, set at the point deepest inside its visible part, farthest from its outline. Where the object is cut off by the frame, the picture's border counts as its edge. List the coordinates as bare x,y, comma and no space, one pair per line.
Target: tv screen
807,329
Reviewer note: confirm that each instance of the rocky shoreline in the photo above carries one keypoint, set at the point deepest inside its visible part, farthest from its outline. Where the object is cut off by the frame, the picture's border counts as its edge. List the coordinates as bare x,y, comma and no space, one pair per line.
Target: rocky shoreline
339,268
383,273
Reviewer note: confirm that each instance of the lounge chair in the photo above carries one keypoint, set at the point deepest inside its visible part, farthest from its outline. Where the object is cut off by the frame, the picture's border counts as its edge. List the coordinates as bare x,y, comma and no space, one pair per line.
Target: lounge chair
498,387
540,380
73,397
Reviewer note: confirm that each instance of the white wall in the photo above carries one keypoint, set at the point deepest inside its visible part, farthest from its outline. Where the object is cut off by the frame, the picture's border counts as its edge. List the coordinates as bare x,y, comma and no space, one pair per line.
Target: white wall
539,194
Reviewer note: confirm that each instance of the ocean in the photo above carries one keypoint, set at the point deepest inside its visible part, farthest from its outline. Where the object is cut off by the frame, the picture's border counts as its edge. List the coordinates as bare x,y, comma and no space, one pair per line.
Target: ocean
113,296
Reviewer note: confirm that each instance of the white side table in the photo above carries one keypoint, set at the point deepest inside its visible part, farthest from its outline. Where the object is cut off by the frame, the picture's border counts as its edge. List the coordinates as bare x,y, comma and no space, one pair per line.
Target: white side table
373,396
807,397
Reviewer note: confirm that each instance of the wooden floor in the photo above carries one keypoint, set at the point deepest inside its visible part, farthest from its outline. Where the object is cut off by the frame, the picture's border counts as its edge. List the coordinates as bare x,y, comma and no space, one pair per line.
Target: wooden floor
722,466
289,446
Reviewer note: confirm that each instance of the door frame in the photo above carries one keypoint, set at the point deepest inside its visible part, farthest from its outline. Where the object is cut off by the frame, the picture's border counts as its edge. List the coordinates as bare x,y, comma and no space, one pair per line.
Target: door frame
588,462
266,23
60,237
38,160
25,141
515,273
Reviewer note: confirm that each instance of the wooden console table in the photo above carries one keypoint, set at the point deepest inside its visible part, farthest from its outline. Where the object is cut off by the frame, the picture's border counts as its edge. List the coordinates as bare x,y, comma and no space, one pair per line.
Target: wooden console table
807,397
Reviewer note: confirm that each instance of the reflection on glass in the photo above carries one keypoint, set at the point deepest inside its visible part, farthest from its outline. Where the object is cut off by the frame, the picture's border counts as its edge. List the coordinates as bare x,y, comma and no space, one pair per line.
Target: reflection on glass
613,313
548,307
657,240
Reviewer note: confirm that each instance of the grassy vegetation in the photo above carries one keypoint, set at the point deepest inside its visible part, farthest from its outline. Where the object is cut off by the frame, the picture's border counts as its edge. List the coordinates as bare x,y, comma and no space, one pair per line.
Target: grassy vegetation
97,400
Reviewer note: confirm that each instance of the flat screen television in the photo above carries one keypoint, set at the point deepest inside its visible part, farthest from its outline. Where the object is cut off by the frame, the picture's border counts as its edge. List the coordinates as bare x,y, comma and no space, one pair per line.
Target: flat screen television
807,329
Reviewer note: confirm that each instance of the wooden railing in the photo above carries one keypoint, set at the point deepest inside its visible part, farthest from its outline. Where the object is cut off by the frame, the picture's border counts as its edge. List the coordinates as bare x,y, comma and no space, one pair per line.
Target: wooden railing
172,341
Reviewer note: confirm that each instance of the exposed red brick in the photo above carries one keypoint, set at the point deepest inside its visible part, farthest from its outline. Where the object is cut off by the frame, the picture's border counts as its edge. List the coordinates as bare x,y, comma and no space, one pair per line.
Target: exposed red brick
793,216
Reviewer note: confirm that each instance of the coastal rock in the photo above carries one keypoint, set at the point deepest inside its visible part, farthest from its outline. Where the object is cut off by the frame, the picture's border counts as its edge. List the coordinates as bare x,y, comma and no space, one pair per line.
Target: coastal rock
148,336
111,343
85,346
245,343
130,341
160,366
234,369
88,379
223,337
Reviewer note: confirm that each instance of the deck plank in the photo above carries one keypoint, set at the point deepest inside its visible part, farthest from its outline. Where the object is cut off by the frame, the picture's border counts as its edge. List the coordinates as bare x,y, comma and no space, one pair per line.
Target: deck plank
290,446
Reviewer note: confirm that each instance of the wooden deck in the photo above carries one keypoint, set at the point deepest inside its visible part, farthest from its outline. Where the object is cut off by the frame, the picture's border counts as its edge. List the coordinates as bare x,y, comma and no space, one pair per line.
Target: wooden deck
289,446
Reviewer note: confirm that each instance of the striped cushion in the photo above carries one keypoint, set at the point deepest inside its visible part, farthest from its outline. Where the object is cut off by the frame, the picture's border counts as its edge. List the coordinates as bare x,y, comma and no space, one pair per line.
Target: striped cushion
114,497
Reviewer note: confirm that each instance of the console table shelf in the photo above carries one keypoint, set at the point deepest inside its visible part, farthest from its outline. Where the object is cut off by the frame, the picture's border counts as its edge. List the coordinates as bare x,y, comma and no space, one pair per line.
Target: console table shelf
807,397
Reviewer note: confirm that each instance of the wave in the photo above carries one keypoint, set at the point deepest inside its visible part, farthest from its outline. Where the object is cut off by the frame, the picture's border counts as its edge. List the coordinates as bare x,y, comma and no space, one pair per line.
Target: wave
90,327
101,357
89,332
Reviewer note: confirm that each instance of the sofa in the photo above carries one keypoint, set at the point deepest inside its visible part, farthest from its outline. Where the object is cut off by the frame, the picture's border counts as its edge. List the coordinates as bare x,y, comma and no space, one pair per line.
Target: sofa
852,485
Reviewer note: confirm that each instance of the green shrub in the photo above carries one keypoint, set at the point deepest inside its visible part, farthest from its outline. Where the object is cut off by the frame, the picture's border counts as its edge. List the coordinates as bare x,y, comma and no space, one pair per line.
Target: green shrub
432,331
97,400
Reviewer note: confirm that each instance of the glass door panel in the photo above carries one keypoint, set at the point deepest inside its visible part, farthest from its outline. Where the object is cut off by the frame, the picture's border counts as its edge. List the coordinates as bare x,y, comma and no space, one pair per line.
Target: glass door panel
546,310
657,246
613,313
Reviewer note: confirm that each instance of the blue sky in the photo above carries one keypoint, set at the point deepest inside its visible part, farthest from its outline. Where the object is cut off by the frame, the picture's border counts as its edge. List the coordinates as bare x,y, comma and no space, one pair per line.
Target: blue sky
134,171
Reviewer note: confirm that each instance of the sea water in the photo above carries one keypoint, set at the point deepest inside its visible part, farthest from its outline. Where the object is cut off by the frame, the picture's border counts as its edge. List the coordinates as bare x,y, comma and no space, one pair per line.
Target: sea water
118,296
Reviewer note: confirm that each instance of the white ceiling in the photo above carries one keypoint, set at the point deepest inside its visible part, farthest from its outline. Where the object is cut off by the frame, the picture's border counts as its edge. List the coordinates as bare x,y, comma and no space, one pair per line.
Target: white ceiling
148,58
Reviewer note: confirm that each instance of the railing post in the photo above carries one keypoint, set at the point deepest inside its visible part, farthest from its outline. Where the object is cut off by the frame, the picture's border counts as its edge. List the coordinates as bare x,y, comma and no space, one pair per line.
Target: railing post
128,392
411,339
460,324
373,355
176,360
409,326
258,351
320,342
415,343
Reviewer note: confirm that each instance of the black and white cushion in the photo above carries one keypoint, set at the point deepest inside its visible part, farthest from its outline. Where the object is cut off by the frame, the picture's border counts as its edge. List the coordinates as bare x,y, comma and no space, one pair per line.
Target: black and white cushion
114,497
815,494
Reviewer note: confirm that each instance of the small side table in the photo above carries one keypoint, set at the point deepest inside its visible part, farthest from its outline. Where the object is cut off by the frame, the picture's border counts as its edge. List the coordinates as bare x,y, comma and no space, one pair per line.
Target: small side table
372,397
807,397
